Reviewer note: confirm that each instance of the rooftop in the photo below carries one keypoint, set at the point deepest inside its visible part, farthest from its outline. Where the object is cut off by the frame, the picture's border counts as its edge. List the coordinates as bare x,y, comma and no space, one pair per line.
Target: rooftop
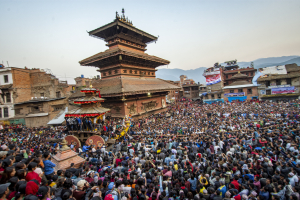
240,69
96,59
122,24
123,85
40,100
239,76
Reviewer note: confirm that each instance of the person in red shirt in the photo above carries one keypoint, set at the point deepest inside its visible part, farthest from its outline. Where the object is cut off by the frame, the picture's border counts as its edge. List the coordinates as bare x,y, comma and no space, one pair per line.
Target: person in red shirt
31,174
118,160
235,183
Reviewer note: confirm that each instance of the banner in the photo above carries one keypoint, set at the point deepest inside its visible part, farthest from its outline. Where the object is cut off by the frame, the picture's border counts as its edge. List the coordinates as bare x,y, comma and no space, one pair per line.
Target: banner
210,80
283,90
234,94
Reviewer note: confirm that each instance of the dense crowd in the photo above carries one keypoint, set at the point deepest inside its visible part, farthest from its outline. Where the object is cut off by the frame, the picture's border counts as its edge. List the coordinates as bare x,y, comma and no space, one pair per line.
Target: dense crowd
238,151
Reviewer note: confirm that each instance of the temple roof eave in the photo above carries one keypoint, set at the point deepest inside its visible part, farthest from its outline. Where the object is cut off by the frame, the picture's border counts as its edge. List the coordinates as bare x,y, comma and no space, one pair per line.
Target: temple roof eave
90,61
96,32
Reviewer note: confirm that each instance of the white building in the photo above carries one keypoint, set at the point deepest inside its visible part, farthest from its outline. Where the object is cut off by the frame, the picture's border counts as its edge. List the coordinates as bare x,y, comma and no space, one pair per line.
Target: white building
6,92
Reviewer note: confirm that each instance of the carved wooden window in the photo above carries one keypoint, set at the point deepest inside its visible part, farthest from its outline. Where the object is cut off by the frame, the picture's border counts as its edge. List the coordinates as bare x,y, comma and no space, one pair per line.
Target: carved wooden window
124,71
109,72
130,71
116,71
148,73
135,71
152,73
104,74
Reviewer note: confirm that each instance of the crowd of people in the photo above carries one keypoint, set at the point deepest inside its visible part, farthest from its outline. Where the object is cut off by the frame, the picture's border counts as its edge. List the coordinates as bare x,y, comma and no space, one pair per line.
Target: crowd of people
240,150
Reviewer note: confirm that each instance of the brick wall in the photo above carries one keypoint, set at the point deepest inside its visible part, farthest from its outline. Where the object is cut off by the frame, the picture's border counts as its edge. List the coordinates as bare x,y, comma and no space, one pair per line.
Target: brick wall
21,85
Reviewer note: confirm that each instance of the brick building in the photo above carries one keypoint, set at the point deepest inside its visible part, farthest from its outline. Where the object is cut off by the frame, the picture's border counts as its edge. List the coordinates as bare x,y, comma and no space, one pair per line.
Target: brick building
38,112
21,85
280,86
81,82
240,89
222,80
191,91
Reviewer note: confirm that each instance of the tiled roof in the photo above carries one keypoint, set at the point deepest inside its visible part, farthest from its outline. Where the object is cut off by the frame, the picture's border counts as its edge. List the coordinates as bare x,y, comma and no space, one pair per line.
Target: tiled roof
91,98
242,82
239,75
129,86
121,51
40,100
89,110
279,76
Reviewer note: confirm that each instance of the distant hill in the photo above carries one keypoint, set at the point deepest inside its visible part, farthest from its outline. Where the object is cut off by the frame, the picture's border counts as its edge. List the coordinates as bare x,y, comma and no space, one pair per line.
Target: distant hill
196,74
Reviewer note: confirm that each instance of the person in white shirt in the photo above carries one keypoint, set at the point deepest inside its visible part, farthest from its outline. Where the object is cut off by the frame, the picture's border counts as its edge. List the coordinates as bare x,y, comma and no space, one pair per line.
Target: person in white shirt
293,179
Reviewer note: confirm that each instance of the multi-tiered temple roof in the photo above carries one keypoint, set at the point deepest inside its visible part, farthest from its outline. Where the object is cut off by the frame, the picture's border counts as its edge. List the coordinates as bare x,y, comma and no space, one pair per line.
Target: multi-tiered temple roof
90,104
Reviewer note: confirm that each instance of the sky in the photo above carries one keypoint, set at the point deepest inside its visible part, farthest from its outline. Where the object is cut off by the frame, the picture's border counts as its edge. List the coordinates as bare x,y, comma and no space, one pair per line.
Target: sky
52,34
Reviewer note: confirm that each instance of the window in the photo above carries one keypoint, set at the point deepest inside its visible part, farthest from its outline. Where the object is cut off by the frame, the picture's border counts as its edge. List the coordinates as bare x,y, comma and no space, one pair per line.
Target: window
148,73
268,92
8,99
57,108
152,74
135,71
109,72
212,96
226,76
125,71
231,91
249,91
104,74
278,82
219,96
5,112
268,83
58,95
247,73
289,81
42,94
116,71
130,71
5,78
0,112
251,73
240,90
35,108
18,111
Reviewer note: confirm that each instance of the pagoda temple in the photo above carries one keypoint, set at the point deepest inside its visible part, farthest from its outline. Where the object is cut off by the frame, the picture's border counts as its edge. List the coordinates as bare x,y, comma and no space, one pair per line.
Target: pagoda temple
128,79
90,105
